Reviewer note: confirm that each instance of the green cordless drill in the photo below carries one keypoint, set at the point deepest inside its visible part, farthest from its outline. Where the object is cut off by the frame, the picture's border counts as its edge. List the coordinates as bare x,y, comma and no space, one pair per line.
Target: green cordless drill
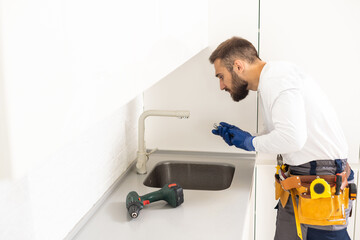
171,193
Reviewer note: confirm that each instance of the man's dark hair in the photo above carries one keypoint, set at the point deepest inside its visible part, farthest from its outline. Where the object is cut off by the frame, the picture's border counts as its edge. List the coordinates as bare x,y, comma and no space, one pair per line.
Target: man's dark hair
232,49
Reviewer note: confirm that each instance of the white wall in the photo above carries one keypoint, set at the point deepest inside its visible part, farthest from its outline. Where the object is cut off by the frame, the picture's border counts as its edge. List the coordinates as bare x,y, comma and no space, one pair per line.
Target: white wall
54,196
194,87
71,76
69,64
5,170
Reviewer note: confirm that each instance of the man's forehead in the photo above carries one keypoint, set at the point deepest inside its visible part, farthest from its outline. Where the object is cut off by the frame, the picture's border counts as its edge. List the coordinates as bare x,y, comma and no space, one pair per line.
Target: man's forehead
218,62
219,67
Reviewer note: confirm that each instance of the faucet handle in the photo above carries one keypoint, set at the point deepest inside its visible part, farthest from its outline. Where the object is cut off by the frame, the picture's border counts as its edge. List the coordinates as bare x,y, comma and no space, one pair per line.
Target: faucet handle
151,152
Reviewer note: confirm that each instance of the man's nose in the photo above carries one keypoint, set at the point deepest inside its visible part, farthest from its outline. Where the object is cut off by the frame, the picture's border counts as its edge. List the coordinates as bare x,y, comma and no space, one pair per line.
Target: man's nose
222,85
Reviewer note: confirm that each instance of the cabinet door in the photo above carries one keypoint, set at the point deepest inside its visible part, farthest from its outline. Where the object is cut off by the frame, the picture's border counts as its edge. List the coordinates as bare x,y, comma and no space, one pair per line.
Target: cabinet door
323,38
265,214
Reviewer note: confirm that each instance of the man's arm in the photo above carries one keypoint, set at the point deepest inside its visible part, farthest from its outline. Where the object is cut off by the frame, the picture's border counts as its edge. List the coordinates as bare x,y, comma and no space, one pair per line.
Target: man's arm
289,119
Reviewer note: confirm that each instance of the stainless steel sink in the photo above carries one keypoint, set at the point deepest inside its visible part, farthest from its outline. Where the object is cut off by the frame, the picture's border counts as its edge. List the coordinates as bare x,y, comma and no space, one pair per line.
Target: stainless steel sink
191,175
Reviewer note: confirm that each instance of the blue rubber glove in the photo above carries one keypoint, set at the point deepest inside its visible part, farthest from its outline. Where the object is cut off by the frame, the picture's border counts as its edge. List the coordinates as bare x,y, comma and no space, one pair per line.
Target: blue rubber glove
233,135
222,131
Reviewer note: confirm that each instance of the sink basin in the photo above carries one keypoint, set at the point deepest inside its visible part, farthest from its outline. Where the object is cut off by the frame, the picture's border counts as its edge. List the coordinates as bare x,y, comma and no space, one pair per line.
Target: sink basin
191,175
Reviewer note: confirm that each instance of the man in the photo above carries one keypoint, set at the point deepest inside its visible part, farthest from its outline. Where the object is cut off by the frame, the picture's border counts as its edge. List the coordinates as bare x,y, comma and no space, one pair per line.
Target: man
299,121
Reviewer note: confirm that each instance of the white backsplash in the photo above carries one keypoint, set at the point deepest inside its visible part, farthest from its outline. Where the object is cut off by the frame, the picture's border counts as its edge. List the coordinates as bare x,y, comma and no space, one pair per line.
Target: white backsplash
57,193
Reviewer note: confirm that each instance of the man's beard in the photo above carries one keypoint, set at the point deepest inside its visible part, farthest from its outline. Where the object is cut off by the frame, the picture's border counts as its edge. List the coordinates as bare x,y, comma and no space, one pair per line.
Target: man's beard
239,88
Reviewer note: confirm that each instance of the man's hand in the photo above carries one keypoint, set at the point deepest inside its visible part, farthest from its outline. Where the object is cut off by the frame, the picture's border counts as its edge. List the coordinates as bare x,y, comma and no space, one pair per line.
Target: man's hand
233,135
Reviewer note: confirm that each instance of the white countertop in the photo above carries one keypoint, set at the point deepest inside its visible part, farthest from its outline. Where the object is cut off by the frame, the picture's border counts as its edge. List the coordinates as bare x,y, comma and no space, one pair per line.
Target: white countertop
203,215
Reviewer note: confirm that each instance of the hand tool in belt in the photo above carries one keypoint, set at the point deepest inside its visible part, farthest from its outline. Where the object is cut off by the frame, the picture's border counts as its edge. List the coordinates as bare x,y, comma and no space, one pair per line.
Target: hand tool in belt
297,221
293,181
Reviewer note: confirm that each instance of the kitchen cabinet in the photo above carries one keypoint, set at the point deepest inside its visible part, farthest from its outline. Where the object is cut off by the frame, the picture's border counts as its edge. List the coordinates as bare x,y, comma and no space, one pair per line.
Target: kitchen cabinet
265,214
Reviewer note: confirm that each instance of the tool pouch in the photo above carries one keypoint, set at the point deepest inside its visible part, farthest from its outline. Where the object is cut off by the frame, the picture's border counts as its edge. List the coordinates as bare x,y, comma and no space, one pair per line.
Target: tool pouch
280,192
320,211
324,211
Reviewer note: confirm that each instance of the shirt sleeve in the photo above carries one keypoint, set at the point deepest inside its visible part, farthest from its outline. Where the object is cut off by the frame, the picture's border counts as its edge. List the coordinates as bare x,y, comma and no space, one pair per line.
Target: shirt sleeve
289,120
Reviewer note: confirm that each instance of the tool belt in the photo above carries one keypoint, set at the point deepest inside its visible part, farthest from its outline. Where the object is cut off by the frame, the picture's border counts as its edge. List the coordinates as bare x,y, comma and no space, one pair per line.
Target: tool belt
322,199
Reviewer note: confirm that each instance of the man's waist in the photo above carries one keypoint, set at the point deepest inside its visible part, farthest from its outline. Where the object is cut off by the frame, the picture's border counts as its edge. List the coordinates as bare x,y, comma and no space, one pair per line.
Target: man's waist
319,167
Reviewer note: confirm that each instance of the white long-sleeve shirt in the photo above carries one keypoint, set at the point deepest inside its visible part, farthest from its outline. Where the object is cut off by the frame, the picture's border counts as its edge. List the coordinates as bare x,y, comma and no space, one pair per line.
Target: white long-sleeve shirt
299,120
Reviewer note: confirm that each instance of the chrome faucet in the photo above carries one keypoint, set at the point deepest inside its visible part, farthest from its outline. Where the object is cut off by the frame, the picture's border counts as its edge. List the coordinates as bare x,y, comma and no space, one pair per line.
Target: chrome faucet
142,155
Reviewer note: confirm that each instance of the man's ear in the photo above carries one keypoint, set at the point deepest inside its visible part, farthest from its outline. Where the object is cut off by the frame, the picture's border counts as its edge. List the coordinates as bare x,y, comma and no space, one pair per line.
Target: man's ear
238,66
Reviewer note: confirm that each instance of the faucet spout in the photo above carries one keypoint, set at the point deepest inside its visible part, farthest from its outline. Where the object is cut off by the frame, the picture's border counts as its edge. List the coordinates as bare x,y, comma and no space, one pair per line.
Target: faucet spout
142,155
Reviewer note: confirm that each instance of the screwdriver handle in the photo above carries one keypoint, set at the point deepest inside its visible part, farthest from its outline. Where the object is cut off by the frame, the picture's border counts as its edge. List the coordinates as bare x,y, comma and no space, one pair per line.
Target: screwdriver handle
338,184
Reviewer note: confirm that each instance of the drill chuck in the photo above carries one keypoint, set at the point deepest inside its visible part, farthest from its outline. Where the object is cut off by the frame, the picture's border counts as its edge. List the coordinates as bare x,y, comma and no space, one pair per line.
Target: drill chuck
134,210
178,196
133,204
